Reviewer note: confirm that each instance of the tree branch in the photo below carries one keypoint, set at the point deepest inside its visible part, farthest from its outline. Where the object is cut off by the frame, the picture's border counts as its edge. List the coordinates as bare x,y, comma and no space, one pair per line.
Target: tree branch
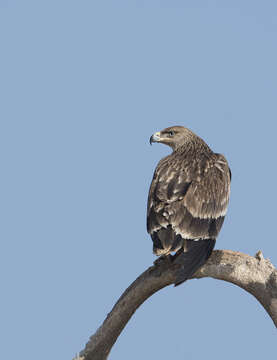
254,274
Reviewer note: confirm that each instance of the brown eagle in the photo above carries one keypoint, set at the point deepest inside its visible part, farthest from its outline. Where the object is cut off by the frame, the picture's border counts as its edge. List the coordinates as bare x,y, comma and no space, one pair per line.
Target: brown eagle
187,200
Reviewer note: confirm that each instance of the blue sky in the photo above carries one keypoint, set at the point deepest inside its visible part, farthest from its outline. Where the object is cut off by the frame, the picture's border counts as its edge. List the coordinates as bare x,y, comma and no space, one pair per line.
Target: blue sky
83,85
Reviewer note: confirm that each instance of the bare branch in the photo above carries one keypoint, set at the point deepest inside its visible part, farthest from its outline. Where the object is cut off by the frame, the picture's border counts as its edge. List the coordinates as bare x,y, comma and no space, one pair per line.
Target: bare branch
254,274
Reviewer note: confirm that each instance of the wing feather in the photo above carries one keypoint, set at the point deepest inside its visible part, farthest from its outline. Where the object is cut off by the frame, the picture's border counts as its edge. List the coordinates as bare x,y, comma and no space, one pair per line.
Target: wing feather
208,195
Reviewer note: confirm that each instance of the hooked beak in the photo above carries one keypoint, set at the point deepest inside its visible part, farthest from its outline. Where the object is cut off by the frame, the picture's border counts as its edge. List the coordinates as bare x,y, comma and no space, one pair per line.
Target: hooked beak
155,138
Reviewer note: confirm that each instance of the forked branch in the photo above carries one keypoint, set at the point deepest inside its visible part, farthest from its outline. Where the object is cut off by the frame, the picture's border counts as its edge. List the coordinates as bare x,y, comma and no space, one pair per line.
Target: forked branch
254,274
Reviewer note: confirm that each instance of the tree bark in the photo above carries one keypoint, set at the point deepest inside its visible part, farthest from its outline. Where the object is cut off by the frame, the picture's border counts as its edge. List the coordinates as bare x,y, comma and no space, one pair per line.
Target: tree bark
253,274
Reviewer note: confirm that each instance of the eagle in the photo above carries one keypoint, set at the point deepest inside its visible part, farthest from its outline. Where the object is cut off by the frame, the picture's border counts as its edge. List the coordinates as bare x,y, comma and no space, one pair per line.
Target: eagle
187,200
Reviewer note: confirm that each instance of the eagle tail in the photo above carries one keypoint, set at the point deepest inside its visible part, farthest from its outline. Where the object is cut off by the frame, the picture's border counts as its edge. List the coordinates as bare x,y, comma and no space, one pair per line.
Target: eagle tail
195,255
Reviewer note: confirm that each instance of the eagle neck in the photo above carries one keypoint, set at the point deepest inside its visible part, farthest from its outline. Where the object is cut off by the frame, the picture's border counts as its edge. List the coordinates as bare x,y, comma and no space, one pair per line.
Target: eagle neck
193,149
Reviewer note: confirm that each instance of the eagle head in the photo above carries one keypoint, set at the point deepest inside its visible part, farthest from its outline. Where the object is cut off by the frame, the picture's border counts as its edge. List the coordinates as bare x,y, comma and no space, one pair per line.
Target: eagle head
174,136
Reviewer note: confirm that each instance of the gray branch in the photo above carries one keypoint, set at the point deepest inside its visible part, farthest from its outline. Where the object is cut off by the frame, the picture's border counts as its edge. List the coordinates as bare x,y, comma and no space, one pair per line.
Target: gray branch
254,274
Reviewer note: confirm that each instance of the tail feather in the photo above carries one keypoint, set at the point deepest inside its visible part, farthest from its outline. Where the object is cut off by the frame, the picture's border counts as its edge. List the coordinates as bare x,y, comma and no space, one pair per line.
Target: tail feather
197,253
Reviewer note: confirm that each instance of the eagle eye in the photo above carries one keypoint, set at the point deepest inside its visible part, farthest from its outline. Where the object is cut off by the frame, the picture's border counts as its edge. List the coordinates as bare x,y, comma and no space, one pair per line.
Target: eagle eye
171,133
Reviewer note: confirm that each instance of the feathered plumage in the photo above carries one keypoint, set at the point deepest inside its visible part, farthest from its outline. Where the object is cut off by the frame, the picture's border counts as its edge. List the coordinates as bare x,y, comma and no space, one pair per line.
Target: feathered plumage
187,200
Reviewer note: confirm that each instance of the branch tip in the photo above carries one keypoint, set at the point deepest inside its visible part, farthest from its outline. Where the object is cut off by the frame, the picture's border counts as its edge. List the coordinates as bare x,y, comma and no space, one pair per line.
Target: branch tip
259,256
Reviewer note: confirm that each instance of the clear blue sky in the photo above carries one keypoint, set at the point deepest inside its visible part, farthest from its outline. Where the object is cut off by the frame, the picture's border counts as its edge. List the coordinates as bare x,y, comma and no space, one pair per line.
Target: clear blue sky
83,85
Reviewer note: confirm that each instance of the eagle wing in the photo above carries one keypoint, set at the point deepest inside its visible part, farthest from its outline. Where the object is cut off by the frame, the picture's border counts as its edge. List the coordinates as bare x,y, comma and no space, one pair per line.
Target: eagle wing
191,198
208,196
